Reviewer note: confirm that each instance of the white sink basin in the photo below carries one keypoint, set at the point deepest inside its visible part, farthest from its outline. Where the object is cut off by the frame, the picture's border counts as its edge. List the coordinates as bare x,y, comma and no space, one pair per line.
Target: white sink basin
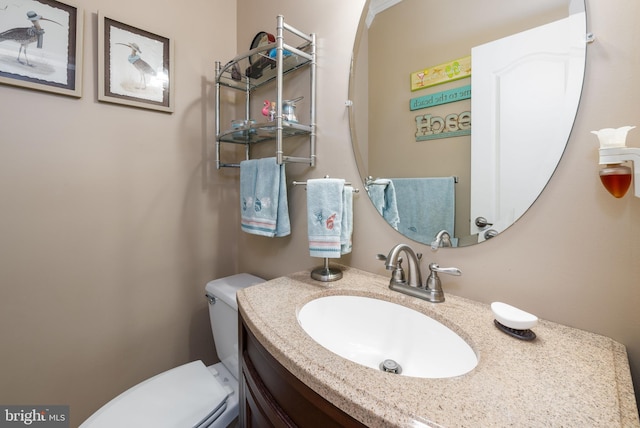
370,331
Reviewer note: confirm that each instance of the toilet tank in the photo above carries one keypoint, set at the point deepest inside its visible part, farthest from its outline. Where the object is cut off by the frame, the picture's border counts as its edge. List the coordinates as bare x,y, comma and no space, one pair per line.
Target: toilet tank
223,314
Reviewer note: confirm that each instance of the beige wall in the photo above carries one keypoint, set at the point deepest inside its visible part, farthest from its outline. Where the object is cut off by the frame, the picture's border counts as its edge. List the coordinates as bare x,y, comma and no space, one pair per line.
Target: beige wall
111,222
573,258
406,38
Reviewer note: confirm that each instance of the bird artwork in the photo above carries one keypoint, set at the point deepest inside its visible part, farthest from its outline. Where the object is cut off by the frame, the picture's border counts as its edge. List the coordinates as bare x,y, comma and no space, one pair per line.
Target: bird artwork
142,66
25,36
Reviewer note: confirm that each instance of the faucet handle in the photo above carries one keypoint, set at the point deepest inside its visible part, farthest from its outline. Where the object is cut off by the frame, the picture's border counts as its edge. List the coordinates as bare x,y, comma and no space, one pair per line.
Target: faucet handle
434,267
385,259
433,287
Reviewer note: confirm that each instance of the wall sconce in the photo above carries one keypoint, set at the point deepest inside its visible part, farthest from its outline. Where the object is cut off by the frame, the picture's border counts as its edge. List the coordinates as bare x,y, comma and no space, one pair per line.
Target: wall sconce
615,176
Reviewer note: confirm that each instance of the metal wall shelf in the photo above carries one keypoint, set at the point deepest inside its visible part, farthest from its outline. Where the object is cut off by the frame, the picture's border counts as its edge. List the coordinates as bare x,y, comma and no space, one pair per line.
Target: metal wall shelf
256,68
234,73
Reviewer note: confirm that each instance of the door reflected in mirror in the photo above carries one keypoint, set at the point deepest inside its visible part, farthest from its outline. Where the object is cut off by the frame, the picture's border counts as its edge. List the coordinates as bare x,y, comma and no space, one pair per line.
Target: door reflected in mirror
526,72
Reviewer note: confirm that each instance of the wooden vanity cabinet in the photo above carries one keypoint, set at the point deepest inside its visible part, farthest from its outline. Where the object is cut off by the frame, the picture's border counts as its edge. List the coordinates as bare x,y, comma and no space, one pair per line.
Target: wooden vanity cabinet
270,396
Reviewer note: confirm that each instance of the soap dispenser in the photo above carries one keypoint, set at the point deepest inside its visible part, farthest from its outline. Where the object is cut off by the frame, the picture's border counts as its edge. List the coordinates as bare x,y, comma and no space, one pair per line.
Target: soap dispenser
615,177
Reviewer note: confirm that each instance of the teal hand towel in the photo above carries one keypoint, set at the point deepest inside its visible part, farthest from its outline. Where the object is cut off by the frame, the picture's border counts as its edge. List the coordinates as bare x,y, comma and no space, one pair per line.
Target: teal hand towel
325,216
263,198
425,206
383,195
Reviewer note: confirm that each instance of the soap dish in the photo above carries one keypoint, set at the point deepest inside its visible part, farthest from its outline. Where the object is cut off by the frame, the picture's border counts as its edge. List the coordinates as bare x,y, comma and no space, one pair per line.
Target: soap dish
518,334
513,321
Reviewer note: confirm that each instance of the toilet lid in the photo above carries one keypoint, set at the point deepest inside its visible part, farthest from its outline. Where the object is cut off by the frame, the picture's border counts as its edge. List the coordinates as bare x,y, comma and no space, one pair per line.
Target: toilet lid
181,397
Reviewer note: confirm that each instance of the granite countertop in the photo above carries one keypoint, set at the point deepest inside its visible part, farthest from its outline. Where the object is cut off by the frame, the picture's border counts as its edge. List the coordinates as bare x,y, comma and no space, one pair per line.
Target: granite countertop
565,377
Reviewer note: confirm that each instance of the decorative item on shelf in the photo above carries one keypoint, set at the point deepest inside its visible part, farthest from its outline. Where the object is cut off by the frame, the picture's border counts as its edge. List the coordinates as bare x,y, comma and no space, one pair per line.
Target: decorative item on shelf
289,109
254,71
273,52
235,72
615,176
262,38
259,62
242,128
269,109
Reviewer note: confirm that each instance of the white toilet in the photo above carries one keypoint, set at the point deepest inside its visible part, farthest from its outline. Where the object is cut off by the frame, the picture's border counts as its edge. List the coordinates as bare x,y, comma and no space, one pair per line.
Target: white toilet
191,395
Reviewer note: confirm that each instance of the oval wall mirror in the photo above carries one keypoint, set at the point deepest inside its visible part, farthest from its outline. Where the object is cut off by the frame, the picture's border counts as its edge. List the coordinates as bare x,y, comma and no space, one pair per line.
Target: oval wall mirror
461,110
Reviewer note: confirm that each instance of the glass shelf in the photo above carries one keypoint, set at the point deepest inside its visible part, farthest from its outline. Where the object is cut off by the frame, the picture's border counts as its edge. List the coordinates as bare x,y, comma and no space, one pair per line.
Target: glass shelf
257,67
259,132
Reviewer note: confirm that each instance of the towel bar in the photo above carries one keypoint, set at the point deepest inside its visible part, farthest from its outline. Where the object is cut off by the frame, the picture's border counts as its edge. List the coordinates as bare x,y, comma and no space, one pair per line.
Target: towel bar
304,183
370,180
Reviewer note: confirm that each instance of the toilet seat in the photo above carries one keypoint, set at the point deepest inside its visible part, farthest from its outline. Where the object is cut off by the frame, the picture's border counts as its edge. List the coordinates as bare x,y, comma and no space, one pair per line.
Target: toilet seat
185,396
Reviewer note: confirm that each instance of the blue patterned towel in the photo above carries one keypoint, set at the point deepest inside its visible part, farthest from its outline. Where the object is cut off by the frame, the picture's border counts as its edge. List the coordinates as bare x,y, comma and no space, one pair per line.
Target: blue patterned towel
263,198
325,216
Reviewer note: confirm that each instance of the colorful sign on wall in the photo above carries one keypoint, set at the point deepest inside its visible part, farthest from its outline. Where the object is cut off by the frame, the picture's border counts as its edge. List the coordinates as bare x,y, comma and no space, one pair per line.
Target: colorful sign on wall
430,127
439,98
446,72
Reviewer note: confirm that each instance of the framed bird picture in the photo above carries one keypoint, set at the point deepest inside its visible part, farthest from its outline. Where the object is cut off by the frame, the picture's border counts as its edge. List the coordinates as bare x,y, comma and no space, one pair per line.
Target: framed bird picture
41,45
135,67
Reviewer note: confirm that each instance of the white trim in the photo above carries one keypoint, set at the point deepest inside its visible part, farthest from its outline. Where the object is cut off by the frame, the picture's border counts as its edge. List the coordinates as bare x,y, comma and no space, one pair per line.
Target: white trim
377,6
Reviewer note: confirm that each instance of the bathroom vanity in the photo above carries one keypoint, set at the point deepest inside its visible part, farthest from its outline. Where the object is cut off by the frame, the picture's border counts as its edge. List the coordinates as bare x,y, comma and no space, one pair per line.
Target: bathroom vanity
565,377
272,396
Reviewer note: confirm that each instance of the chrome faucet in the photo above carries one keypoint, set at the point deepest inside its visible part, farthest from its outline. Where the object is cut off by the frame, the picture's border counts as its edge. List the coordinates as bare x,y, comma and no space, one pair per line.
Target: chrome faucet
393,262
432,290
443,239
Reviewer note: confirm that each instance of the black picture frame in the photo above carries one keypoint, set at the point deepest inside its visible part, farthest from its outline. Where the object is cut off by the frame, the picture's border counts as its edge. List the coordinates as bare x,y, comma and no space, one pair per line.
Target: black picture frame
135,66
50,59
